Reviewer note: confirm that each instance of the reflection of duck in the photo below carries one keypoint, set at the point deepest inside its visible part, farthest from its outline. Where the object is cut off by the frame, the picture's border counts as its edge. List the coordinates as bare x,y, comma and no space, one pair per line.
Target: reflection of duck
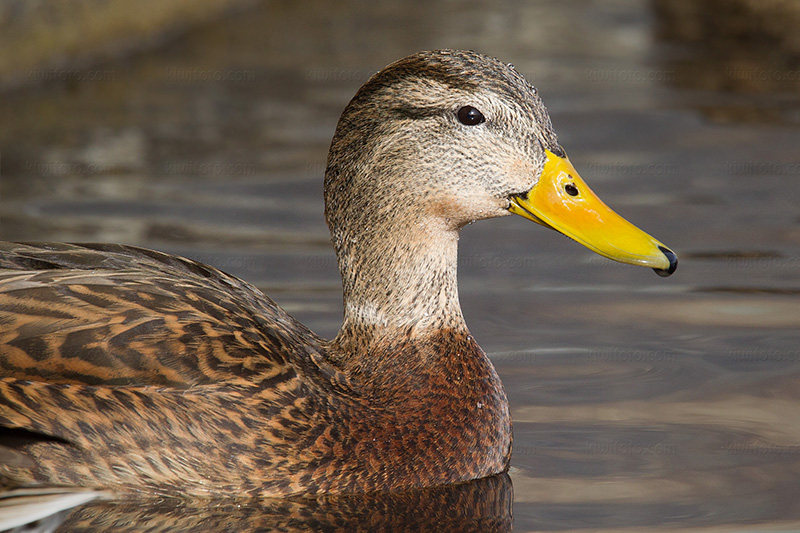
480,506
129,369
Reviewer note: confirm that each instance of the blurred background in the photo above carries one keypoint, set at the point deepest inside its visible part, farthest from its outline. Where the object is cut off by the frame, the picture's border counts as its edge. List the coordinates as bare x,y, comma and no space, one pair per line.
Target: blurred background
201,128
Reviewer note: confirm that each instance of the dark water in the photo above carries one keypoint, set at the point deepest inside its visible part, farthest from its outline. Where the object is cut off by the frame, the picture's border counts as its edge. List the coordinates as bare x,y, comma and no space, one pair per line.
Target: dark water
639,403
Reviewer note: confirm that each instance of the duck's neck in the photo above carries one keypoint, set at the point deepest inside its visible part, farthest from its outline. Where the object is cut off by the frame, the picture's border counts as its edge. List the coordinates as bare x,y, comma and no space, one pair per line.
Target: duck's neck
399,280
402,278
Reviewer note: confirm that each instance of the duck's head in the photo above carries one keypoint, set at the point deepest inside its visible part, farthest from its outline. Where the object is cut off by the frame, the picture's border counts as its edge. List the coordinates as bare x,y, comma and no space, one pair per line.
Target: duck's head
439,139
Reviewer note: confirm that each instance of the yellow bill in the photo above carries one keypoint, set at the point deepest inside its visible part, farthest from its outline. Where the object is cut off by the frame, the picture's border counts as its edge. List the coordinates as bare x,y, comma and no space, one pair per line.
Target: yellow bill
563,202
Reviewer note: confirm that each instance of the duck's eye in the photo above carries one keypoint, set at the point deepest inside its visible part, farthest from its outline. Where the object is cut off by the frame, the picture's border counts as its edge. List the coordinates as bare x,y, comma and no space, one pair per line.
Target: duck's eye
571,189
469,116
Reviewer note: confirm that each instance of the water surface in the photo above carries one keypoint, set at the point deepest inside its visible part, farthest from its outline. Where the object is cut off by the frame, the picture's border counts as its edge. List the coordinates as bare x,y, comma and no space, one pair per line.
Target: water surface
639,403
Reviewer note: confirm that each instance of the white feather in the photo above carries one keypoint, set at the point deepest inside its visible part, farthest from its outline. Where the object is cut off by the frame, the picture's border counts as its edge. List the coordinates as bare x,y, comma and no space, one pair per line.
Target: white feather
23,506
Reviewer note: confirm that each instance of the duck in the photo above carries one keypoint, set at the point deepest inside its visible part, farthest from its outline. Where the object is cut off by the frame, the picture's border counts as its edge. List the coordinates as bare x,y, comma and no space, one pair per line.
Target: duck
134,371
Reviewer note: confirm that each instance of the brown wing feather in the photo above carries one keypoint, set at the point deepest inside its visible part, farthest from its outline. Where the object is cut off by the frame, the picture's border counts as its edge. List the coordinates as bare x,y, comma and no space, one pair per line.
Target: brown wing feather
117,315
209,439
129,364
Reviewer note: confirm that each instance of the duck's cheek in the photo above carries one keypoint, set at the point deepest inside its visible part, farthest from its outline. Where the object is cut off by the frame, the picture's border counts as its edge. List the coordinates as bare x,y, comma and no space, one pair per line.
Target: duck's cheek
519,175
458,210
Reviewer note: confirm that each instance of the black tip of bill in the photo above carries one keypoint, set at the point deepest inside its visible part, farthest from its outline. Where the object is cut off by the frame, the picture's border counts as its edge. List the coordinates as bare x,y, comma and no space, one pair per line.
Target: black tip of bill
673,263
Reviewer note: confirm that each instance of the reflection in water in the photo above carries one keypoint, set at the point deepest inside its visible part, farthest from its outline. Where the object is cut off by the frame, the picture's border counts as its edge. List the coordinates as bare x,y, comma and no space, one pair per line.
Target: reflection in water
480,506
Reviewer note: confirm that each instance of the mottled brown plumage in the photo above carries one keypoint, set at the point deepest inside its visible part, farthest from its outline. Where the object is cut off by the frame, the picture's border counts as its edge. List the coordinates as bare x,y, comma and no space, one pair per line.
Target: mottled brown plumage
132,370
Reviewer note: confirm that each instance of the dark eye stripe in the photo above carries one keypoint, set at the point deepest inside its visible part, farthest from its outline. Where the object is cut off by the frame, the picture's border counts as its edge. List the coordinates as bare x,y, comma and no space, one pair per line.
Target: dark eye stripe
416,113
